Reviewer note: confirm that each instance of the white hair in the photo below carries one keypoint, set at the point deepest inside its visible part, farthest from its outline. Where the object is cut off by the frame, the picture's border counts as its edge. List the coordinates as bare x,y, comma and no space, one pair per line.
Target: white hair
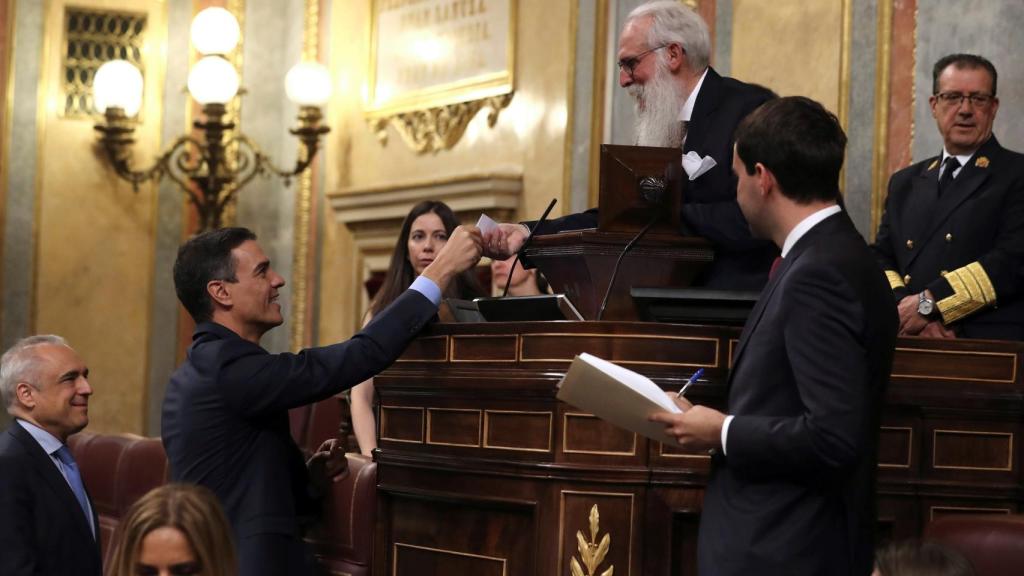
674,23
20,363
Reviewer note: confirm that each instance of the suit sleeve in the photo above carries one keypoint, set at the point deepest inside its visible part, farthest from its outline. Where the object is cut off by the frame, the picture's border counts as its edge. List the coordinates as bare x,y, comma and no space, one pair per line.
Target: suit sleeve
827,357
258,383
587,219
997,276
883,248
16,528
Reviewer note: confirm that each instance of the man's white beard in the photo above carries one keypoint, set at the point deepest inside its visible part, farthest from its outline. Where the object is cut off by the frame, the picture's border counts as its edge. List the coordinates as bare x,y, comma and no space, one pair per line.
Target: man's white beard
657,121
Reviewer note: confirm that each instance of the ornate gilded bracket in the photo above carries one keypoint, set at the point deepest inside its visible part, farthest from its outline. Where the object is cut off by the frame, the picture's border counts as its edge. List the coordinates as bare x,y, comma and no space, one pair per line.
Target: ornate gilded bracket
591,551
440,128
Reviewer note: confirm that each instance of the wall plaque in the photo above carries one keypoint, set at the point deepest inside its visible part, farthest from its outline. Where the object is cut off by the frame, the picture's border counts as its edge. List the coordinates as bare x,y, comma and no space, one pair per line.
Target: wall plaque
435,63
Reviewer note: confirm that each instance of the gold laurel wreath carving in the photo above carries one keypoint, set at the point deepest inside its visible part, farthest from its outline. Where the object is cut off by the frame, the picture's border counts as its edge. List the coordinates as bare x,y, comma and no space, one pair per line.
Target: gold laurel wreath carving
592,552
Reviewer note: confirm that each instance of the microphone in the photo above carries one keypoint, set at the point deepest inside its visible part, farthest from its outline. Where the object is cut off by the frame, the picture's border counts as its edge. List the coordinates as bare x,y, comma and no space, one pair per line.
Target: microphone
615,270
526,243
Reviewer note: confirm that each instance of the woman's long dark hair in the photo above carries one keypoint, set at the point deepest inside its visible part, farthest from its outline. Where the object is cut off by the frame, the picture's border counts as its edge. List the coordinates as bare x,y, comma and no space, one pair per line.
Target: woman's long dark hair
400,272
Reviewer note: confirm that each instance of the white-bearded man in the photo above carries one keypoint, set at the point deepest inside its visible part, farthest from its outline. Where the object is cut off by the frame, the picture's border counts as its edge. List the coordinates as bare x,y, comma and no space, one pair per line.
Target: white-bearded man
663,57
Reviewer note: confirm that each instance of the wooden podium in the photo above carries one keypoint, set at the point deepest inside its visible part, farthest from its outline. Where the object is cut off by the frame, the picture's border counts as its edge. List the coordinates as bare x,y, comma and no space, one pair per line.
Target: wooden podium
579,264
483,471
639,186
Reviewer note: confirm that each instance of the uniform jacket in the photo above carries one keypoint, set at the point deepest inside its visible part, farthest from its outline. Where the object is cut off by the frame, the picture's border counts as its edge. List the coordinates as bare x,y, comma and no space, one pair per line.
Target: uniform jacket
966,246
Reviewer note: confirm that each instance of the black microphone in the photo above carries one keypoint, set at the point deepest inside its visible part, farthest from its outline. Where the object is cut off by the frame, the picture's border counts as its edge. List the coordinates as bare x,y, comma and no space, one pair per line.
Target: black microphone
526,243
615,271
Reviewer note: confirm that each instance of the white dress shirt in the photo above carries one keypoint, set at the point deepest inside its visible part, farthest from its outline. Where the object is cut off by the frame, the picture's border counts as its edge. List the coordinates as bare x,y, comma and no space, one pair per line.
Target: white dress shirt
50,444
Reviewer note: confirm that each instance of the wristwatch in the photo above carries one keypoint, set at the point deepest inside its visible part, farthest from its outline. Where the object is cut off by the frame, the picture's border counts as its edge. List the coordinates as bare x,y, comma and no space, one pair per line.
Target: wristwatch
925,305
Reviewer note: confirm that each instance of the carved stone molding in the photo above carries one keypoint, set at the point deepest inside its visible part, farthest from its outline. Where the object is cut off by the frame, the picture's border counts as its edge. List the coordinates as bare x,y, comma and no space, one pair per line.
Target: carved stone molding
382,208
440,128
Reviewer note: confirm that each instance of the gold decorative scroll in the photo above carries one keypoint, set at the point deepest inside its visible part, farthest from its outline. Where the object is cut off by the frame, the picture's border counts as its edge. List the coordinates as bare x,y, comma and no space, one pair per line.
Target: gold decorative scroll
440,128
592,552
434,64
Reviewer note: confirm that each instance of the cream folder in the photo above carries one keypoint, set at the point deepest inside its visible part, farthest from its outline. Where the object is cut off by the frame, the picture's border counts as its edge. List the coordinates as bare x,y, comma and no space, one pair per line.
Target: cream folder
617,395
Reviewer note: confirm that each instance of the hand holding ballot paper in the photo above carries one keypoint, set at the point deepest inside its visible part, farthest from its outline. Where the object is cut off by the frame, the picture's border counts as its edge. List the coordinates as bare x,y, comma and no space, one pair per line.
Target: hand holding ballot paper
632,401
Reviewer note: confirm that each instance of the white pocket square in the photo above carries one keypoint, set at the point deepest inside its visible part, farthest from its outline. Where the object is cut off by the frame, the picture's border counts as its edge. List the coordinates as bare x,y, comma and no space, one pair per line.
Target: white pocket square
695,165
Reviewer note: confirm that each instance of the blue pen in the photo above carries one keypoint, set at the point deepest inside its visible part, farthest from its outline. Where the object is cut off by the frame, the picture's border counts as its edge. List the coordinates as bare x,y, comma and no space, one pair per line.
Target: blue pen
694,378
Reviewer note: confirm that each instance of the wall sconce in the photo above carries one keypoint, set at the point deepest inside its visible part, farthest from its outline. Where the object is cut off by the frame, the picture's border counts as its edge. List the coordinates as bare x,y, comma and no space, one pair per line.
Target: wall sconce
213,169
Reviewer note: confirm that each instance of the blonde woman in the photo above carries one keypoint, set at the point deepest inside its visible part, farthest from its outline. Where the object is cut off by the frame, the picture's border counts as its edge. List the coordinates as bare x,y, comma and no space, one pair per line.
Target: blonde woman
175,530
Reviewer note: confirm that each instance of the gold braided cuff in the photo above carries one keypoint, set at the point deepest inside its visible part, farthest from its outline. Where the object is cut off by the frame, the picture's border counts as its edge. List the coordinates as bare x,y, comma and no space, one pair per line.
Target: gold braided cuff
972,291
895,280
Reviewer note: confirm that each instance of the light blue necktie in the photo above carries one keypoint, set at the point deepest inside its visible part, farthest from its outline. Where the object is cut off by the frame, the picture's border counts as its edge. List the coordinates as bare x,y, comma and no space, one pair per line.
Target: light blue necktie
75,480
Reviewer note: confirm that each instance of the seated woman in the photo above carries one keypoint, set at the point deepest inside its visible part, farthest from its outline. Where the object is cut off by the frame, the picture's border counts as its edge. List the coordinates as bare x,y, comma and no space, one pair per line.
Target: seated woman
424,231
524,282
177,529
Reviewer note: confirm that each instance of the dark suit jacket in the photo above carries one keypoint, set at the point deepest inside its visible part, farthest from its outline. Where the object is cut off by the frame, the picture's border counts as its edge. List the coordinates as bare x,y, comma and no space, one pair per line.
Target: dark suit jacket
709,208
795,493
225,415
42,528
978,222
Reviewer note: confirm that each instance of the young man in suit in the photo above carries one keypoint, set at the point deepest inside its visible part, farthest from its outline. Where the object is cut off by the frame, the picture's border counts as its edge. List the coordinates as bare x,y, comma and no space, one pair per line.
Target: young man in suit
792,480
47,521
663,58
225,415
951,239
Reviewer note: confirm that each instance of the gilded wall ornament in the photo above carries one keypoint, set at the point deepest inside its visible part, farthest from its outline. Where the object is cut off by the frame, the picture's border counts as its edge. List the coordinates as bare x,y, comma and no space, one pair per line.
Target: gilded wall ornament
440,128
591,552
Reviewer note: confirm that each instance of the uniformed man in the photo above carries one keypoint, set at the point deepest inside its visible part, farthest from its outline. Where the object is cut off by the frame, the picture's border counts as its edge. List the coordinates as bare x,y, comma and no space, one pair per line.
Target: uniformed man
951,240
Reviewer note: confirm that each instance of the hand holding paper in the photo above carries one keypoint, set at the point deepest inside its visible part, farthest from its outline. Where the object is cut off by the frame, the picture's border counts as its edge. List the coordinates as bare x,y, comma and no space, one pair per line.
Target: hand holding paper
486,224
696,429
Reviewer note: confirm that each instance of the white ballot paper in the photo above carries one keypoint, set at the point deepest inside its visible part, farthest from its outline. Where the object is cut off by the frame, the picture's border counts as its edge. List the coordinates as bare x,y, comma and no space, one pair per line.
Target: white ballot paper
617,395
486,224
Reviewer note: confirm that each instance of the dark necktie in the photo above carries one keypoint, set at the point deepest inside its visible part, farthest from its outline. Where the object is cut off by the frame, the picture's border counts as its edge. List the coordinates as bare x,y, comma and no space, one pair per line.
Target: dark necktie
75,481
775,267
949,165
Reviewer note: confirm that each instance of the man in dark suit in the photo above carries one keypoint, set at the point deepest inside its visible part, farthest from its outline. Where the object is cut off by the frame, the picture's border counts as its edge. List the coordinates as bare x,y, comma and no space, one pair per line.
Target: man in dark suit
792,480
951,239
225,415
664,51
48,525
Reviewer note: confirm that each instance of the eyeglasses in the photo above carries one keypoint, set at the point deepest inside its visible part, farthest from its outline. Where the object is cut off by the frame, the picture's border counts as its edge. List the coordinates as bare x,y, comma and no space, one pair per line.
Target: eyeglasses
628,65
955,99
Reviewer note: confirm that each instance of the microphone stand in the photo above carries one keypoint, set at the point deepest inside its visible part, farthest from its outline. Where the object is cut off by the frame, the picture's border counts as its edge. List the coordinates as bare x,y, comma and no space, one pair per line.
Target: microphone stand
526,243
615,270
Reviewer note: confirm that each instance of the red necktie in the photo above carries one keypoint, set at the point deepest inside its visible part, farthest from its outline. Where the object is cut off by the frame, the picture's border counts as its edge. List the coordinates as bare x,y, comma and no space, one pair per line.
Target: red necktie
775,266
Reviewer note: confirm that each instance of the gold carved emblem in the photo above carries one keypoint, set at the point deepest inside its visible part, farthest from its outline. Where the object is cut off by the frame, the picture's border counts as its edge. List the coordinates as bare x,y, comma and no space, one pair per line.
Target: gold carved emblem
439,128
981,162
933,165
591,551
